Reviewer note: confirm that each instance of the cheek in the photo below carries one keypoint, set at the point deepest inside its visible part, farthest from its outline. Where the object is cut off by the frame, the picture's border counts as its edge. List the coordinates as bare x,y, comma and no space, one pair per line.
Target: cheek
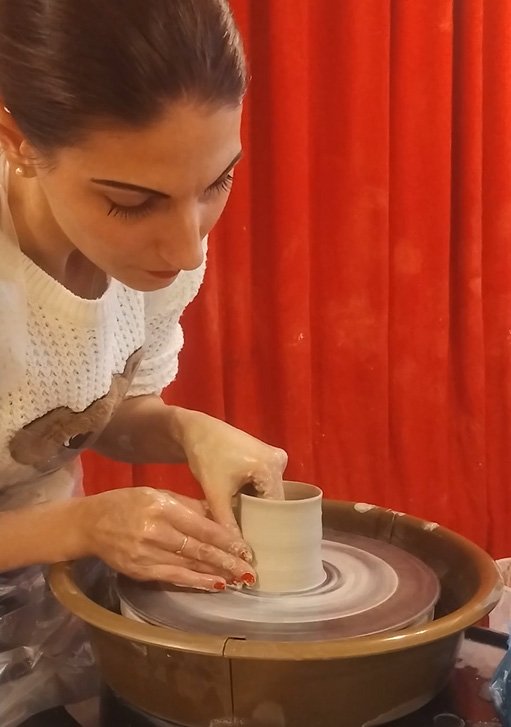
101,238
78,218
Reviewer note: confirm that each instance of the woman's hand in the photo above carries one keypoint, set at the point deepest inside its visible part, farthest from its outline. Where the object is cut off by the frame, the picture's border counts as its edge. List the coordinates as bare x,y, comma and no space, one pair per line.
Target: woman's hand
150,534
224,459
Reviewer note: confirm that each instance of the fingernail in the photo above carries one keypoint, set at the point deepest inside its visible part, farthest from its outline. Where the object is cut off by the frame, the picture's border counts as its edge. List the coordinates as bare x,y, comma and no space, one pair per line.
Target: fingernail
241,550
219,586
246,555
248,579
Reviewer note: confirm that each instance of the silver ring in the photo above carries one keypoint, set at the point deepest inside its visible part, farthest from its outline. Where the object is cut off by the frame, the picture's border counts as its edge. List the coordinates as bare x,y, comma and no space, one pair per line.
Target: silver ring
179,551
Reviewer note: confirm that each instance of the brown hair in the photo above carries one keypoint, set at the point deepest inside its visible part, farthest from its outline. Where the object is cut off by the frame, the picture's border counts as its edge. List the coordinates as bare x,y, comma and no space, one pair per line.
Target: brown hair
67,64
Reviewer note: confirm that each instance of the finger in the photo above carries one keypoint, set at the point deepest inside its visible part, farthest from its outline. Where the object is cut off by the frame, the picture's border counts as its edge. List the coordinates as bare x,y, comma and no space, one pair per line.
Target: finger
196,565
224,516
163,557
153,554
269,486
218,560
242,549
222,513
267,479
179,576
189,522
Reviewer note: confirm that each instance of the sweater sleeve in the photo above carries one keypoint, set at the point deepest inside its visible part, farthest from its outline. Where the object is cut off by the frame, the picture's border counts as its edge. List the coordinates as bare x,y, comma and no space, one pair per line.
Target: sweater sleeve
163,332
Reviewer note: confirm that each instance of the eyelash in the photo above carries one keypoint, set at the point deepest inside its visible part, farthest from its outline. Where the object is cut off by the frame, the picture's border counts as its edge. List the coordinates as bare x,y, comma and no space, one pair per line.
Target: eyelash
141,210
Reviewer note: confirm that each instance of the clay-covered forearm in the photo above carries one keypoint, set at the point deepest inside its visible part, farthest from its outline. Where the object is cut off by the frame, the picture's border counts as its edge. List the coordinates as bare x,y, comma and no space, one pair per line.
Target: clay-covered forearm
42,534
145,430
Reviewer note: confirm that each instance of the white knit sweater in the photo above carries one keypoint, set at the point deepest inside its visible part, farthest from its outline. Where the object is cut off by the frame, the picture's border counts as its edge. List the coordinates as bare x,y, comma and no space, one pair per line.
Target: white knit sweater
81,360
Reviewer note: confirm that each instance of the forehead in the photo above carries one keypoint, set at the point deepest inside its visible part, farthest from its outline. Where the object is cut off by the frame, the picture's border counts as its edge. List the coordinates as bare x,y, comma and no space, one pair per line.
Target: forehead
188,140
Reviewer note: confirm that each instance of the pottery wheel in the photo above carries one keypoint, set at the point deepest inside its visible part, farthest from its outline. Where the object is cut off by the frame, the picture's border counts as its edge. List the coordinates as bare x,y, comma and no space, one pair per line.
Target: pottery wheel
370,586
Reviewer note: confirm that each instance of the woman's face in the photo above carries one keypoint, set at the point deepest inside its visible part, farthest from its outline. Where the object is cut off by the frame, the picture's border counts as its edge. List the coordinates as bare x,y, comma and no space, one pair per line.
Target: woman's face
138,204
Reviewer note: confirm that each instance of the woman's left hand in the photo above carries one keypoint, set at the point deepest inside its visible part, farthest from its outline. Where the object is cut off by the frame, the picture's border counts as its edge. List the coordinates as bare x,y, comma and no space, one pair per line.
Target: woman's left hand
224,459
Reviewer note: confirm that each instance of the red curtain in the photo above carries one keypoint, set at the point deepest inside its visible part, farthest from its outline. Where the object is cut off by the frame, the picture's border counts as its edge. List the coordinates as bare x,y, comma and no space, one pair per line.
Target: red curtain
357,307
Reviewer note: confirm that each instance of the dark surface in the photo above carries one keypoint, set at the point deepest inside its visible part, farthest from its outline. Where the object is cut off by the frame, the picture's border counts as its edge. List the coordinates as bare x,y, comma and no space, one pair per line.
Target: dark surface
464,703
52,718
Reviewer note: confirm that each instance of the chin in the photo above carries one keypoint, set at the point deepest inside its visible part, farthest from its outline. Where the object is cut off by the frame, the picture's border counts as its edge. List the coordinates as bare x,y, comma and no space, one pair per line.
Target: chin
146,286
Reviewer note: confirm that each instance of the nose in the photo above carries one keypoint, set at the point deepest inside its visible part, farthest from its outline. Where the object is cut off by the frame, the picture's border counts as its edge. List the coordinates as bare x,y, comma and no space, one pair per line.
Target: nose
181,247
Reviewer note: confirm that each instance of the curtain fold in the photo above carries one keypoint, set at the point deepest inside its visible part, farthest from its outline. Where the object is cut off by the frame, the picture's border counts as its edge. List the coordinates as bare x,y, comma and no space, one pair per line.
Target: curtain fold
496,265
357,304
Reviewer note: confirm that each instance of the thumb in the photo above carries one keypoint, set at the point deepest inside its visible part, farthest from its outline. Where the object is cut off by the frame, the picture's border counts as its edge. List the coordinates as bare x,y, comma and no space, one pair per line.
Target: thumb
222,513
270,487
221,510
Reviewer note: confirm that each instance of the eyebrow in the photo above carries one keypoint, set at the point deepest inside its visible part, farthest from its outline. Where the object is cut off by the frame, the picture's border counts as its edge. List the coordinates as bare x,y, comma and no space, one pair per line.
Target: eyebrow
146,190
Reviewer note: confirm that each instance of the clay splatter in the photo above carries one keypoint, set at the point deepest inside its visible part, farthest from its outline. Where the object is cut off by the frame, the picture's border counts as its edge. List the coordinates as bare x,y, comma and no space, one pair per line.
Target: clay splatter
430,526
363,507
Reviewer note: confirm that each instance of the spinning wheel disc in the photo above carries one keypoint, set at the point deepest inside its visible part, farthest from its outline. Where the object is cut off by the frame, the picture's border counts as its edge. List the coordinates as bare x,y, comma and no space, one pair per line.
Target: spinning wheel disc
370,586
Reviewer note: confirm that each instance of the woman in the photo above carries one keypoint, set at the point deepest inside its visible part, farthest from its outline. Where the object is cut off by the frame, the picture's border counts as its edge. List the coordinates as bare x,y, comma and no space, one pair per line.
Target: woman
120,125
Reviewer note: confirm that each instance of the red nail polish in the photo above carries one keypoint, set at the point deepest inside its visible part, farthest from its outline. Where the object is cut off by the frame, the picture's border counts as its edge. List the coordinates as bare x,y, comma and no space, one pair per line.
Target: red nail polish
219,586
248,578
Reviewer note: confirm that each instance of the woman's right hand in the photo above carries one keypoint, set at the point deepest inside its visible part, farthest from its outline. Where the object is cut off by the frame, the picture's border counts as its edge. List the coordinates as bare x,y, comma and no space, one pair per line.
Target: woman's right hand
150,534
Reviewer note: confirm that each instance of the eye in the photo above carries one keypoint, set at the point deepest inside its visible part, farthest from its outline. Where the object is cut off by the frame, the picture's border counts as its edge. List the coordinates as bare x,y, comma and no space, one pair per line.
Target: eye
224,184
145,208
132,211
